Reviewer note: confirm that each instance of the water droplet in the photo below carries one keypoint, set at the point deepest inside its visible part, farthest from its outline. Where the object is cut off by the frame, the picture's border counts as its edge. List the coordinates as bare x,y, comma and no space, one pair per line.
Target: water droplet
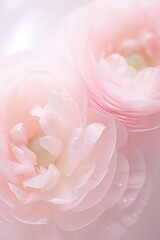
132,199
68,97
124,200
120,184
109,228
134,214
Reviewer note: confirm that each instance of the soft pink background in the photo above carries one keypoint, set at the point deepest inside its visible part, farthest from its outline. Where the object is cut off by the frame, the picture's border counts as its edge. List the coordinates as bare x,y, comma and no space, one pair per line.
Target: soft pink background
26,24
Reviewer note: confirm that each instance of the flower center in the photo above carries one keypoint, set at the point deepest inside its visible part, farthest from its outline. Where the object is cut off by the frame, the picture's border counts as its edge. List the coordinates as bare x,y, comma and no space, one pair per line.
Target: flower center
44,157
136,61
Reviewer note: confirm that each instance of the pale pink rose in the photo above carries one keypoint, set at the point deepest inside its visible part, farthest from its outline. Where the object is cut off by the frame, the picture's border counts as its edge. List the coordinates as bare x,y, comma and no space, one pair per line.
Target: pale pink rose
116,48
64,167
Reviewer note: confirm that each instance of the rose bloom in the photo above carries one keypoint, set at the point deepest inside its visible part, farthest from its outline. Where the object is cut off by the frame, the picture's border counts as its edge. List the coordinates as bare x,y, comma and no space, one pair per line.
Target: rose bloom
116,48
67,171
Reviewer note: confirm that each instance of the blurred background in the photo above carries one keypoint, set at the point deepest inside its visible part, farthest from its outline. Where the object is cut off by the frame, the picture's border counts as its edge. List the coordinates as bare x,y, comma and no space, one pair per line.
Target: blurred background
26,24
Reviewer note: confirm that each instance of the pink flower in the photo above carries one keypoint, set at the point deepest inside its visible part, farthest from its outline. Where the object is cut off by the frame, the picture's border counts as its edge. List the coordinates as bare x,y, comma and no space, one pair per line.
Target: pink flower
116,48
64,167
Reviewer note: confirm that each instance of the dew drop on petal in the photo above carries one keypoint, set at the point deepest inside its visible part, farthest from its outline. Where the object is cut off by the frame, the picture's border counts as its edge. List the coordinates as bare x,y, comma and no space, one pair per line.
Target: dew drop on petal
124,200
109,228
134,214
120,184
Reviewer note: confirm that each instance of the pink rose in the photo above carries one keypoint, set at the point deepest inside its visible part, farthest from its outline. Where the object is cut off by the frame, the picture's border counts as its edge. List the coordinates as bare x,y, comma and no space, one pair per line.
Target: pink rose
116,48
65,168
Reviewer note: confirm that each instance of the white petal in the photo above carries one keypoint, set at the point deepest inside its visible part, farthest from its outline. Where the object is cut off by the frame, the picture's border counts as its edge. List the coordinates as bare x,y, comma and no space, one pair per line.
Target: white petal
51,144
44,181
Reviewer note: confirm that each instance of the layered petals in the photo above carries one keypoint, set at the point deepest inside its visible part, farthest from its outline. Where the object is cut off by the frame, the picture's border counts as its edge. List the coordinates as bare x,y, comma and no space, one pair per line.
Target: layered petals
116,49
